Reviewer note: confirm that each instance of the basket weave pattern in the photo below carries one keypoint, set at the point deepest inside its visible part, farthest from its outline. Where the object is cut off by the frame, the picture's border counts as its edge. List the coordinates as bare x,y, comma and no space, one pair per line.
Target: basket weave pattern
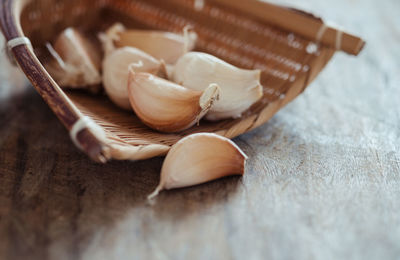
288,66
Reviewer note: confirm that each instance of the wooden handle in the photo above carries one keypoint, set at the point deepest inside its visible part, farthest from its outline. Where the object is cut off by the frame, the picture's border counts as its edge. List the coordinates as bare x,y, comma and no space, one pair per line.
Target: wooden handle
61,105
298,22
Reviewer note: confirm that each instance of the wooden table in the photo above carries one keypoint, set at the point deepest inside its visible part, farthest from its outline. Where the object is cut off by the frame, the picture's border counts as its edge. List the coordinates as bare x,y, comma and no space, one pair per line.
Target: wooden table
322,182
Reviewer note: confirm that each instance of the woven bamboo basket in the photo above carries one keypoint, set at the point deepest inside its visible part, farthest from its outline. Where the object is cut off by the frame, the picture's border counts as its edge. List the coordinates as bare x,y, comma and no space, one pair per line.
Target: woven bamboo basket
291,47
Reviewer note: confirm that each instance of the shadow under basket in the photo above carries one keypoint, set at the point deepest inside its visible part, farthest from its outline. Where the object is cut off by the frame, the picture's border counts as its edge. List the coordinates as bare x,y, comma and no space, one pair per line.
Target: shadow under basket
291,47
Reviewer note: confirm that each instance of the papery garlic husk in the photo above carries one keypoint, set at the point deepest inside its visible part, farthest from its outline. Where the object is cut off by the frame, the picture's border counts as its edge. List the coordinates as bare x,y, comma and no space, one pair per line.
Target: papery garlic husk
162,45
116,72
166,106
76,61
240,88
200,158
109,37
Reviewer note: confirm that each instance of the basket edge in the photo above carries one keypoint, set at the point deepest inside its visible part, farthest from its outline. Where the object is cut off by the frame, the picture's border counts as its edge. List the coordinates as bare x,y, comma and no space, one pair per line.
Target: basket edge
299,22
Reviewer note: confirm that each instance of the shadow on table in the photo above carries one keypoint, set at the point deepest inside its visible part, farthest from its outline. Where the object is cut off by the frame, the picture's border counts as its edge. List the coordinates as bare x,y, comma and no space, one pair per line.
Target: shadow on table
54,192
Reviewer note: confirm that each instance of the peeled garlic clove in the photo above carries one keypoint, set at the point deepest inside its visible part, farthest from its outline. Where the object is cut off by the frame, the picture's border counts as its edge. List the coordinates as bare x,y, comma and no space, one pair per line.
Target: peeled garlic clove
76,61
240,88
166,106
161,45
200,158
116,72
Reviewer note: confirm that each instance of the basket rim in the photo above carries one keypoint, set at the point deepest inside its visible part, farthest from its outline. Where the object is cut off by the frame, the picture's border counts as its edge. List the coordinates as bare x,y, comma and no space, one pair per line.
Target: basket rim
299,22
68,113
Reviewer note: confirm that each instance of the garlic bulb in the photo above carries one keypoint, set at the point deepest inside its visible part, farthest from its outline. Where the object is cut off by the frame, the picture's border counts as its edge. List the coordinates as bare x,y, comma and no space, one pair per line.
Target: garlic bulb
116,72
165,46
240,88
166,106
76,62
200,158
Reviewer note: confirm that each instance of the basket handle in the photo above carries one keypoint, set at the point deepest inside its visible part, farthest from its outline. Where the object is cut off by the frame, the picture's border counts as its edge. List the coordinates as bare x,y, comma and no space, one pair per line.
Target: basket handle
52,94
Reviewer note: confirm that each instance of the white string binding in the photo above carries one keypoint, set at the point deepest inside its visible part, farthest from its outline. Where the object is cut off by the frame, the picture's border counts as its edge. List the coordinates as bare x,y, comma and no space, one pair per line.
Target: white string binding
11,44
86,123
339,37
321,32
198,5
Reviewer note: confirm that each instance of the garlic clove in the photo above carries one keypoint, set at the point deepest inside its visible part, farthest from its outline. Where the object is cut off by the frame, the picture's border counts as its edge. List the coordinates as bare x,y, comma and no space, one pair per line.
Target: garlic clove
165,46
166,106
76,61
116,72
200,158
240,88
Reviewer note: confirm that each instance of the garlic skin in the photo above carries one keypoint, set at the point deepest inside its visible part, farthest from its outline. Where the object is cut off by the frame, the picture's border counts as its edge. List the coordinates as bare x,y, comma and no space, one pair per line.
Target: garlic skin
76,61
240,88
109,37
165,46
116,72
166,106
200,158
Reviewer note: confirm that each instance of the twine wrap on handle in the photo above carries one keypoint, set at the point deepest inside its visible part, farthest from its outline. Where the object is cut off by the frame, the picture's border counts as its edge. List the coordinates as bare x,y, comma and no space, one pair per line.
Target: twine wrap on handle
15,42
11,44
85,123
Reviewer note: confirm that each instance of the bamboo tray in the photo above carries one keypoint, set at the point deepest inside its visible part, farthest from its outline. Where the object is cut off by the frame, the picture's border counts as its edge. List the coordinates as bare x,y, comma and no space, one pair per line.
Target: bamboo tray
289,46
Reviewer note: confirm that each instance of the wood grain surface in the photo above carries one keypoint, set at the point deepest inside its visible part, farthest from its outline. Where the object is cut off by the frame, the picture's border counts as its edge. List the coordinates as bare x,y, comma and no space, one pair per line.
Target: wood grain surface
322,181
